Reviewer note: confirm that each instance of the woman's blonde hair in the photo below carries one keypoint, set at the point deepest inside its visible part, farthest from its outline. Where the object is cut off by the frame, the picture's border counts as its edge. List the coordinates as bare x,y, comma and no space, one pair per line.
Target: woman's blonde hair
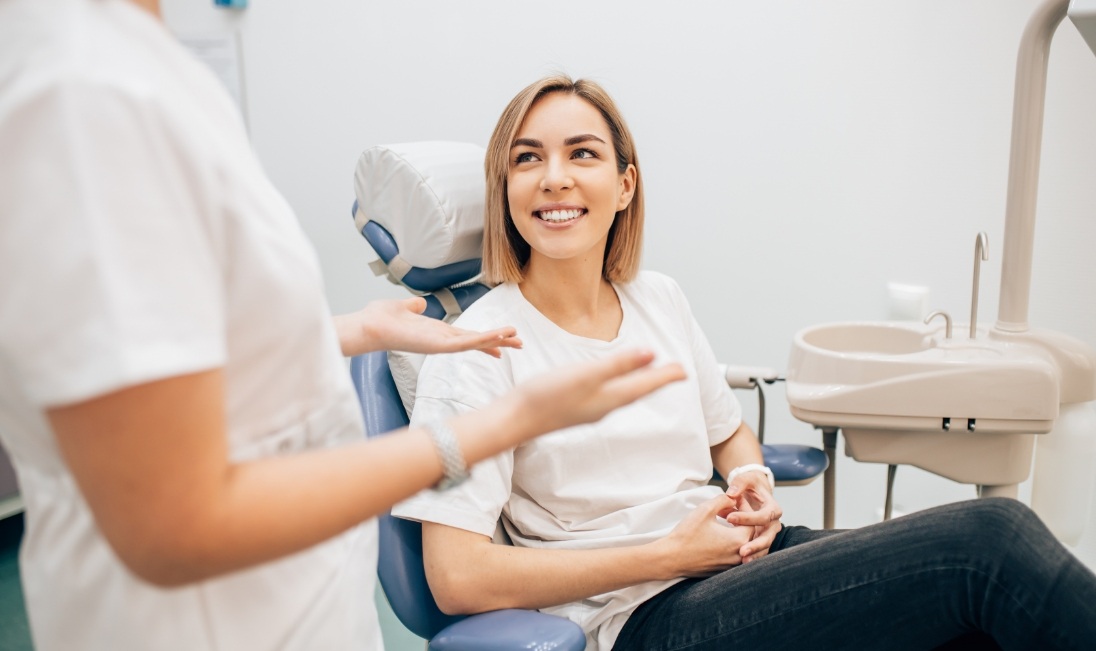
505,253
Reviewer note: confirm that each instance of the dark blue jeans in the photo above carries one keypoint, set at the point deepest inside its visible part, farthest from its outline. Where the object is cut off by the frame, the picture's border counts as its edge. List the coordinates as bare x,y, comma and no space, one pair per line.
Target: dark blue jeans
964,574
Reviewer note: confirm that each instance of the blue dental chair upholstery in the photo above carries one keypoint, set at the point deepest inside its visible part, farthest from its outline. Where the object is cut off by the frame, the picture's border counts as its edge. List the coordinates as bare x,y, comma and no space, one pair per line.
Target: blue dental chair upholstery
794,465
401,567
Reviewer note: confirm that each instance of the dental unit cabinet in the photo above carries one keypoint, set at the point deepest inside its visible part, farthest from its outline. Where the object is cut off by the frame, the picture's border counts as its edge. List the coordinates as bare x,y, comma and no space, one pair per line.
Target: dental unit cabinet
971,405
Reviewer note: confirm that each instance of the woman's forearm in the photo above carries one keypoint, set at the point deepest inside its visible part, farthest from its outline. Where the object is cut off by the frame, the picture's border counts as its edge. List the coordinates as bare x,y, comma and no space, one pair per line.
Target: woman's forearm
470,574
740,449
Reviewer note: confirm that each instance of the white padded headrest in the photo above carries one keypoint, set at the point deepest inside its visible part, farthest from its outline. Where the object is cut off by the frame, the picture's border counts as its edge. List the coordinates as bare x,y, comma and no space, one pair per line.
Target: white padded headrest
427,195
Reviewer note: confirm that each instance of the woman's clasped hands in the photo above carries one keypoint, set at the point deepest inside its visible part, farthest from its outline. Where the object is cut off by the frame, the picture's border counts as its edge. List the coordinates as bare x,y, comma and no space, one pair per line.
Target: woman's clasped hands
704,543
755,507
728,530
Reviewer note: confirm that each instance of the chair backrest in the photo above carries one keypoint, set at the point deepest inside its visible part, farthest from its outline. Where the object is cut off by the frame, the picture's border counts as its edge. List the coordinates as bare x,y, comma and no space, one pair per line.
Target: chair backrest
419,206
400,567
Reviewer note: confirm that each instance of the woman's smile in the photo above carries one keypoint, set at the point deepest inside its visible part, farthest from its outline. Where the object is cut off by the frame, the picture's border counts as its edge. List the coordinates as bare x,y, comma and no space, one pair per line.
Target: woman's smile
563,185
557,215
560,216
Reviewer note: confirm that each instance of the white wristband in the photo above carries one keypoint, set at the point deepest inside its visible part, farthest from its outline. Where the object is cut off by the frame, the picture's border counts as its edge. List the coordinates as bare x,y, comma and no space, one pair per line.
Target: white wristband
751,467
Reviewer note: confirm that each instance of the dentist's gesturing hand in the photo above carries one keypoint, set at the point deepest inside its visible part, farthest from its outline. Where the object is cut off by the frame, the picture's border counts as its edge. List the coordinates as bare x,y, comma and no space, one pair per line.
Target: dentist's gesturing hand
400,325
584,393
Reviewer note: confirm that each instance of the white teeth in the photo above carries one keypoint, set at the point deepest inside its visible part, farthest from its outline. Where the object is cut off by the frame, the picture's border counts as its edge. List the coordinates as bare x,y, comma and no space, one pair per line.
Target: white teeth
559,215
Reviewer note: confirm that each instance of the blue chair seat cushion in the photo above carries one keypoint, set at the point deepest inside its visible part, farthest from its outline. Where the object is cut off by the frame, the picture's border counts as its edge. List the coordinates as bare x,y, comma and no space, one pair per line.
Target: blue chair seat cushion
508,630
794,464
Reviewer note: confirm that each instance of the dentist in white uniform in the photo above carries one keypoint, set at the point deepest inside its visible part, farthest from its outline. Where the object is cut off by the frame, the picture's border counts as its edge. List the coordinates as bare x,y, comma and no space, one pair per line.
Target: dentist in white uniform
172,387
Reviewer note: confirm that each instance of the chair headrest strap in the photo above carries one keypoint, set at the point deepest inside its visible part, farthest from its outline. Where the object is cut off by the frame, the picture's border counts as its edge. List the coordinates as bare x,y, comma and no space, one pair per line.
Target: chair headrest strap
360,218
449,302
394,271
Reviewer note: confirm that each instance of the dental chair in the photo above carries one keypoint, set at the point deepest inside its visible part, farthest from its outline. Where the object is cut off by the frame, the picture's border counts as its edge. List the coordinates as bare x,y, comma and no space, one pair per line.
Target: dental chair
400,567
436,189
420,208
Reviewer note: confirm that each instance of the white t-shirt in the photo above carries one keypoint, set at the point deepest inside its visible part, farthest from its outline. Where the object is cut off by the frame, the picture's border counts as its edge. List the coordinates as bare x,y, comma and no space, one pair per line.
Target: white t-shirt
140,240
626,480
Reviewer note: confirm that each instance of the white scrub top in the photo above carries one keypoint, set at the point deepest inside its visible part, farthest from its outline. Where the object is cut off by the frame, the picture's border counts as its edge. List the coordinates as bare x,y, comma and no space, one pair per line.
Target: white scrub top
140,240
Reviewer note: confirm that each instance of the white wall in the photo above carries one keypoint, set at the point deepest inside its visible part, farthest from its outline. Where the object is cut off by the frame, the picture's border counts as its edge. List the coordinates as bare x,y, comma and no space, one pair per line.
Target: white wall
798,154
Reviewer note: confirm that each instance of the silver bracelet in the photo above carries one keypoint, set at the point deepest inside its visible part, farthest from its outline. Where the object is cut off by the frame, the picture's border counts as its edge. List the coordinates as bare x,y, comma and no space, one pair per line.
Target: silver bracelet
448,449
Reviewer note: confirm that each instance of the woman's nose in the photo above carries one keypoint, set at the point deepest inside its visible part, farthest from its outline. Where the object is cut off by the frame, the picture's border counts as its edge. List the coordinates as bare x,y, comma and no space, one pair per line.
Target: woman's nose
556,177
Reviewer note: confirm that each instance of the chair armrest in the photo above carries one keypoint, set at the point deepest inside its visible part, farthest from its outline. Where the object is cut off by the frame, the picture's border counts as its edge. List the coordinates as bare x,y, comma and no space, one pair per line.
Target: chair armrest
747,377
510,630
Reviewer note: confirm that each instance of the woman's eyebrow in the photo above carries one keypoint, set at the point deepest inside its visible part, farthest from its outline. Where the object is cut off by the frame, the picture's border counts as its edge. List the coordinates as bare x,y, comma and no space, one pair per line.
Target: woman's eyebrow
573,140
586,137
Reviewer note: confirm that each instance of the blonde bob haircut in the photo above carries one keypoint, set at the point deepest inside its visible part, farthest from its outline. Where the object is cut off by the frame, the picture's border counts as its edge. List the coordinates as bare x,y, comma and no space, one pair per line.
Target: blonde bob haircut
505,253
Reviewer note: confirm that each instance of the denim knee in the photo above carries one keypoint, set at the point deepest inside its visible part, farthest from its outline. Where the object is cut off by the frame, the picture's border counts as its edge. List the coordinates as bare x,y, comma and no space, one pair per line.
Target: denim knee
987,522
999,515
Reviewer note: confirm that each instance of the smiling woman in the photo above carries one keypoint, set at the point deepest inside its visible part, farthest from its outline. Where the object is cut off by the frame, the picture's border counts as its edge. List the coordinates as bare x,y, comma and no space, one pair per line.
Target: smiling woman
567,184
564,195
614,524
591,143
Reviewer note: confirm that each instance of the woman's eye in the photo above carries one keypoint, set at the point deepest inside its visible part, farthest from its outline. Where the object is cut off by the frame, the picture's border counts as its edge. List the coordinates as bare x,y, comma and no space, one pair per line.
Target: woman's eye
525,157
584,153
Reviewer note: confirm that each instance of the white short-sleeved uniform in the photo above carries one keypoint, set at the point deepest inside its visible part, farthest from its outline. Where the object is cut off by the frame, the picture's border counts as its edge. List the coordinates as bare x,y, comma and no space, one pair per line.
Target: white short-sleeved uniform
626,480
140,240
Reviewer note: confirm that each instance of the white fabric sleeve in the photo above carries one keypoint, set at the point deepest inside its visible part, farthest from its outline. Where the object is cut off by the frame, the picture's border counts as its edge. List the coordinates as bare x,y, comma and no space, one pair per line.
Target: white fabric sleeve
107,245
722,411
450,385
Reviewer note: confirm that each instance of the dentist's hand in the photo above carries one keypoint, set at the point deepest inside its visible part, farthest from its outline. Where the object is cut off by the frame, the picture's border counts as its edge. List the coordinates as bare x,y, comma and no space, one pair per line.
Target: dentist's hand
757,508
400,325
586,392
703,544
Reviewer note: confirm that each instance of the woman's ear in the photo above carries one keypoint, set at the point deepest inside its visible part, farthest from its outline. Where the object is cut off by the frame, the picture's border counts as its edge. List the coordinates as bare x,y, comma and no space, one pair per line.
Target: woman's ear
627,187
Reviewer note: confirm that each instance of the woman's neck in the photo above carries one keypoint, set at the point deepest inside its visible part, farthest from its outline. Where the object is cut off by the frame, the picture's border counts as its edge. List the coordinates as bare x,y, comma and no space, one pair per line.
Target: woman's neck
574,296
151,6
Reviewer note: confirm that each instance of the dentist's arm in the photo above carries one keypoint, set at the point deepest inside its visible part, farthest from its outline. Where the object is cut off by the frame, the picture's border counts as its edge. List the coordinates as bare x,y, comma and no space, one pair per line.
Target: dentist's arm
152,461
468,573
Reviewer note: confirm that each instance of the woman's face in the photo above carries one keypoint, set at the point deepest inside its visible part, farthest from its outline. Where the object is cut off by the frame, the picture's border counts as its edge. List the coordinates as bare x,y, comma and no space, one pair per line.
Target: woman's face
563,187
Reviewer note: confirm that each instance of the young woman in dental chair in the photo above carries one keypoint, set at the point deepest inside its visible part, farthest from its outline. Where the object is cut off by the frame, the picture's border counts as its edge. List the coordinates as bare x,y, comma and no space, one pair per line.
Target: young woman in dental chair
614,524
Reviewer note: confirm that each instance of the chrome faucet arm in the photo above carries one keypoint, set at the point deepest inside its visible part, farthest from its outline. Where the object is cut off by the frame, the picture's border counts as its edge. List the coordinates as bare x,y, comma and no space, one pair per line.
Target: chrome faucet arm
981,252
947,321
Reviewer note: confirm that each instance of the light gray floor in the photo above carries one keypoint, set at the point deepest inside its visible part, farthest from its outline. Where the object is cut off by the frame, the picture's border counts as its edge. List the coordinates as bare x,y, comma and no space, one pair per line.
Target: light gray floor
14,635
396,637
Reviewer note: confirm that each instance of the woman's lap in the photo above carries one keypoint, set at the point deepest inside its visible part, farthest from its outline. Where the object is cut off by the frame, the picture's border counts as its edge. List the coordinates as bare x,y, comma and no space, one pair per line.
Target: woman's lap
914,582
